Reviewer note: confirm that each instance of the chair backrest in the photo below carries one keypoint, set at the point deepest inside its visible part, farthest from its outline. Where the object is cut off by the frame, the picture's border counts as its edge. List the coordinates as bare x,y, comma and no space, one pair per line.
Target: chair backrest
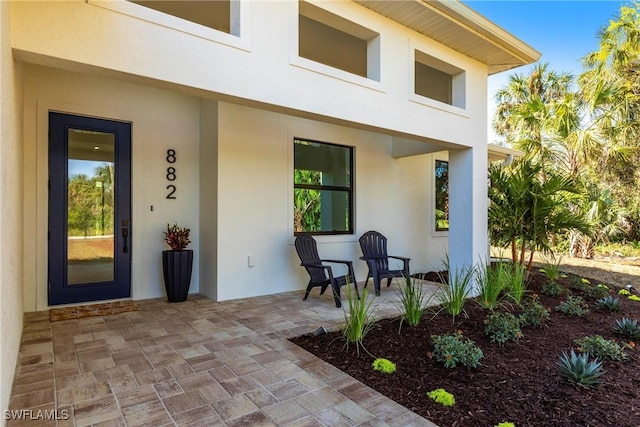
373,245
307,250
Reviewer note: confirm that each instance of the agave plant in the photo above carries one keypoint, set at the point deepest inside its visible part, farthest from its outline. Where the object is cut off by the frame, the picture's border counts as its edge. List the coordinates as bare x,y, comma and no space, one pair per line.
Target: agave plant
628,328
578,369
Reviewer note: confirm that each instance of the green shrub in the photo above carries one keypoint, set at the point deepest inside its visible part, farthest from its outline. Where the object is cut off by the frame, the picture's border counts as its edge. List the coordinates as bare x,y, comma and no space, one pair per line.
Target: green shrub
602,348
358,321
384,365
553,289
456,349
628,328
634,298
503,327
442,397
579,369
534,314
610,303
624,292
598,291
573,306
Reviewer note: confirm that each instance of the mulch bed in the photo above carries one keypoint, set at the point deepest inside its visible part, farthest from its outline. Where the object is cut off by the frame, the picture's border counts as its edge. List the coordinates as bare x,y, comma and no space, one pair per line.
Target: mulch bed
517,382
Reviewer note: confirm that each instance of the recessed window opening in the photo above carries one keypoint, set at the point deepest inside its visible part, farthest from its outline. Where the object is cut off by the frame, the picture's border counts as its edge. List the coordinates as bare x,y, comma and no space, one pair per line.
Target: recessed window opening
221,15
337,42
323,188
441,195
438,80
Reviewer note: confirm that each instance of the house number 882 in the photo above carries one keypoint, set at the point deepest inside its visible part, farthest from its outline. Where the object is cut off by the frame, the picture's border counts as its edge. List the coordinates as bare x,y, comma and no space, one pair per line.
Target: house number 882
171,173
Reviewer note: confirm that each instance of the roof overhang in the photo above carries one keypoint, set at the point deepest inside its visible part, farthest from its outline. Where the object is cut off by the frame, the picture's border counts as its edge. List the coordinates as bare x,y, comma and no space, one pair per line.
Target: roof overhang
497,153
456,25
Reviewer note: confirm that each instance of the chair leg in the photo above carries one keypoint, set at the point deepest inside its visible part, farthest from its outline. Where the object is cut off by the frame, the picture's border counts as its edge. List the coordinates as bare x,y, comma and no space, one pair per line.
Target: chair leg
322,289
306,294
389,281
376,283
355,285
366,281
336,294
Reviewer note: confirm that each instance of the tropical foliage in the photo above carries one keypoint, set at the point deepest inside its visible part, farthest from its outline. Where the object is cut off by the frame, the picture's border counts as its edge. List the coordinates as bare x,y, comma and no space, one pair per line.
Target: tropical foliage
584,130
90,202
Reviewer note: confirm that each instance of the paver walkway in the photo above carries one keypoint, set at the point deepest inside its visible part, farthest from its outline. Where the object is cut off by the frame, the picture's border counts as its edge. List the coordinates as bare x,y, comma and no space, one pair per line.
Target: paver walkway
197,363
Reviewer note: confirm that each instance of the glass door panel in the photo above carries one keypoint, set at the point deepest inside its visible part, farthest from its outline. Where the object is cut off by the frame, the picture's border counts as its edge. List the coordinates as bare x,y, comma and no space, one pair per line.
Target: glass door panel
90,217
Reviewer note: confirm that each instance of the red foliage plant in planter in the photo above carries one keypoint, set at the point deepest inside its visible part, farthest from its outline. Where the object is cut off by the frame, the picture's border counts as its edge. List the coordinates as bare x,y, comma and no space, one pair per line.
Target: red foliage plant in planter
177,237
177,263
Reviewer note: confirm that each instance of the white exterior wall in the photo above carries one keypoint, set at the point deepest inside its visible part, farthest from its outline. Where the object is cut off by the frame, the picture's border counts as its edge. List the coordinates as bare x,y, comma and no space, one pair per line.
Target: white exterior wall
255,199
261,67
161,120
10,209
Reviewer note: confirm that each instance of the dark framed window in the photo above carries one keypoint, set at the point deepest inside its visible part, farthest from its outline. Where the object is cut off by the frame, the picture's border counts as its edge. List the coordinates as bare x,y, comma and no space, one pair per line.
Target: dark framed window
322,187
442,195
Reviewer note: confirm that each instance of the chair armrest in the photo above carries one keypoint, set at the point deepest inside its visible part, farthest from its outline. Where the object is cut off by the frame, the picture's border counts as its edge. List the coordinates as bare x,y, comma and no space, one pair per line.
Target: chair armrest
400,258
308,264
365,258
337,261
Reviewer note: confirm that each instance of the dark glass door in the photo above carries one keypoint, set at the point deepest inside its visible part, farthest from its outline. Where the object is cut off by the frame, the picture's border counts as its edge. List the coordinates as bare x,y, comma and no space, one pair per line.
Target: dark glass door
89,209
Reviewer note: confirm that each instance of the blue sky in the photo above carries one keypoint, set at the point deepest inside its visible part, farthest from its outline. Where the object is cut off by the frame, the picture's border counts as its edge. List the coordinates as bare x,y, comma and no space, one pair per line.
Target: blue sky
562,31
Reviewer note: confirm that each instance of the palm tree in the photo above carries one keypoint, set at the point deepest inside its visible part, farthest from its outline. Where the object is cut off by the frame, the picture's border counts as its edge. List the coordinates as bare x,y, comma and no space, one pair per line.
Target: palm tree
528,209
526,111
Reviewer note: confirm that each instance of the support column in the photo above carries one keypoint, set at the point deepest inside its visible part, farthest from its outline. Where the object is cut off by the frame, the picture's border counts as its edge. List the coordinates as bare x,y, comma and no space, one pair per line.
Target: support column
468,203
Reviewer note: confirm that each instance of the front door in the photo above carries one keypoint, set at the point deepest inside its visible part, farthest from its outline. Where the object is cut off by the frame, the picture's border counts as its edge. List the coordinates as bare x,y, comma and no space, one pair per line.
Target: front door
89,209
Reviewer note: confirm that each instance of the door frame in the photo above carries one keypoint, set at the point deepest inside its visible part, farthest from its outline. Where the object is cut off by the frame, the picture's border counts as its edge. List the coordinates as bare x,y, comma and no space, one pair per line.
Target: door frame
61,293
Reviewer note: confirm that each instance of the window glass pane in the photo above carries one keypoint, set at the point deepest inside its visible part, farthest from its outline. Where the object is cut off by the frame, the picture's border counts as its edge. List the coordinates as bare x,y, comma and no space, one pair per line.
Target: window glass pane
322,188
322,164
90,196
442,195
321,210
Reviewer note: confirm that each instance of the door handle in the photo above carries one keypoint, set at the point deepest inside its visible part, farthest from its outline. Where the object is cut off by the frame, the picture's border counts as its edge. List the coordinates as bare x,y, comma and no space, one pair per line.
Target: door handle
125,235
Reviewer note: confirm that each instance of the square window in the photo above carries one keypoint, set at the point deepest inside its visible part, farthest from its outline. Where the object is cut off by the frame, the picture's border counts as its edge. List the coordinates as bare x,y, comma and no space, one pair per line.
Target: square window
438,80
322,188
337,42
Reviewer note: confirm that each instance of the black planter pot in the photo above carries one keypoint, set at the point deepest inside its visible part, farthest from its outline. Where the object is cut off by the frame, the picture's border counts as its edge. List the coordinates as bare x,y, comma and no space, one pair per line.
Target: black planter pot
176,266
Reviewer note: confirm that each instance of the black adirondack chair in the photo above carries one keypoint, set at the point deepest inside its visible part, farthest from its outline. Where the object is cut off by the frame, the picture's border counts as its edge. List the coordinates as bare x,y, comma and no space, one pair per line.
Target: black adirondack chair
322,275
374,253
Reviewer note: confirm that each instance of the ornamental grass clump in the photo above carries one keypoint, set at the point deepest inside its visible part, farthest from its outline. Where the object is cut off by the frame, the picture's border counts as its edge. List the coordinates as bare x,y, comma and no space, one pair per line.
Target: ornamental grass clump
413,301
516,286
384,365
534,314
551,266
442,397
573,306
628,328
609,303
453,296
602,348
359,320
503,327
579,369
491,282
456,349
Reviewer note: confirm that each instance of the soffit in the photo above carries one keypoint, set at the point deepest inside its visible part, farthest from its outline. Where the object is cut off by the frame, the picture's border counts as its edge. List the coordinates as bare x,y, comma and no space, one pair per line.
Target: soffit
459,27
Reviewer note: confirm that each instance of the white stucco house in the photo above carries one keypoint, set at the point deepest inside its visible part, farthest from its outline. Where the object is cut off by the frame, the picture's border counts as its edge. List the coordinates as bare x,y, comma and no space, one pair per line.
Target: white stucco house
201,109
